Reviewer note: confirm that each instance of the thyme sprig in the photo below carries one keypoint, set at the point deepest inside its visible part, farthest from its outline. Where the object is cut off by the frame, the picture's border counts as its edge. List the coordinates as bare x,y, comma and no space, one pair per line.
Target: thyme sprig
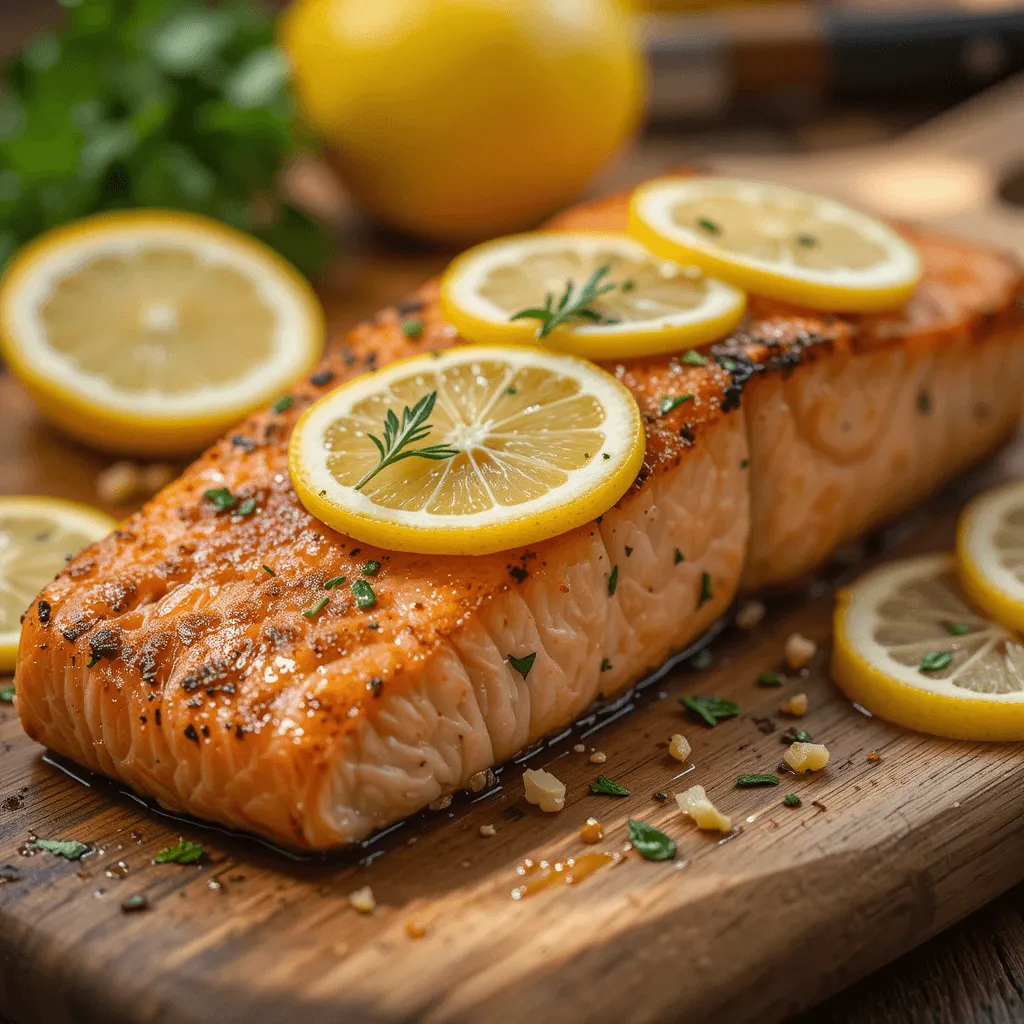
571,306
399,435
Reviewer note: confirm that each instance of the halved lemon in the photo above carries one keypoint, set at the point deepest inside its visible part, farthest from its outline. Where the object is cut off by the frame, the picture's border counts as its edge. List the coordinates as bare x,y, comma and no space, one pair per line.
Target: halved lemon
151,333
643,305
503,447
910,648
37,535
777,242
990,553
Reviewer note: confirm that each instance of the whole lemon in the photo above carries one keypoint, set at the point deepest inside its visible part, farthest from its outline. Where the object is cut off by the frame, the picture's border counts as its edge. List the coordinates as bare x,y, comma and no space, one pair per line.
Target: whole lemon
457,119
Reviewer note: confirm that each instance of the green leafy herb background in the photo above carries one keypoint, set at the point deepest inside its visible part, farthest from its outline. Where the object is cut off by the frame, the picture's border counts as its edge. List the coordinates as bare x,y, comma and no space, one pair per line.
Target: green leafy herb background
159,103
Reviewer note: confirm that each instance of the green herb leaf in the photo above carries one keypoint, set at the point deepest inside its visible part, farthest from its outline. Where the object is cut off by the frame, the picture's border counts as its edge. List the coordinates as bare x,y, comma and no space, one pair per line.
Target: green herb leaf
371,568
792,800
334,581
924,402
7,694
678,557
93,661
628,285
750,781
650,842
363,593
935,661
670,402
710,709
613,580
524,664
571,306
957,628
183,852
314,610
770,679
135,903
269,571
705,588
246,508
412,328
691,357
807,241
221,497
603,786
69,849
284,403
398,436
605,664
709,226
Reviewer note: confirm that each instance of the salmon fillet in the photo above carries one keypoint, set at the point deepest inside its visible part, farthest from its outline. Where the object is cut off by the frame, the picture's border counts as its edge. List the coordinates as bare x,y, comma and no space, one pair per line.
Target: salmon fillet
212,693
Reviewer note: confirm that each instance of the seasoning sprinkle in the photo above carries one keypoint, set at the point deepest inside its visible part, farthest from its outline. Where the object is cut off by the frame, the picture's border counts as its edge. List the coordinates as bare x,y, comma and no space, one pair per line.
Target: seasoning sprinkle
412,329
792,800
705,588
770,679
524,664
709,226
135,903
677,557
613,581
269,571
284,403
314,610
807,241
605,664
691,357
246,508
957,628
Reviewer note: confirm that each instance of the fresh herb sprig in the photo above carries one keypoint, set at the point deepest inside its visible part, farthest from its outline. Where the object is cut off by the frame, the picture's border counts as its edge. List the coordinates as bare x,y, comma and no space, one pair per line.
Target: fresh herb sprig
571,306
399,435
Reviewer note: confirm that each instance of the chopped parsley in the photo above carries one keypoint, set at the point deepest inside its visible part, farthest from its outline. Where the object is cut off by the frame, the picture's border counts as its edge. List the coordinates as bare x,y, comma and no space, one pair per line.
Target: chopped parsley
284,403
221,497
371,568
709,226
605,664
936,661
69,849
613,581
770,679
334,581
269,571
756,779
315,609
650,842
691,357
93,661
246,508
670,402
363,593
728,364
183,852
524,664
705,588
7,694
957,628
511,390
412,329
628,285
796,736
603,786
677,557
792,800
807,241
135,903
710,709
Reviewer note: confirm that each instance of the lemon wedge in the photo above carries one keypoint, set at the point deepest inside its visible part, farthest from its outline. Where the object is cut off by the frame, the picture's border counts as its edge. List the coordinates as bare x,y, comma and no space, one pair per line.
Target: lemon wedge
468,451
150,333
909,647
777,242
37,535
990,553
642,305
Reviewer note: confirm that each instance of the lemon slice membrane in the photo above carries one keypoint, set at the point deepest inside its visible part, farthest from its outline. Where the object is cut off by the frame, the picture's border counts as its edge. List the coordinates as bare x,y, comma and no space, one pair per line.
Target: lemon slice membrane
654,307
990,553
37,535
153,332
777,242
911,648
545,442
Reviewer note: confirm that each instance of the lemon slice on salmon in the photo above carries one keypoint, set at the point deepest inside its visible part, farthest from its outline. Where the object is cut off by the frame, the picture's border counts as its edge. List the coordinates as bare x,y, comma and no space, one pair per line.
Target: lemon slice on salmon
37,536
910,648
777,242
151,333
468,451
990,553
602,296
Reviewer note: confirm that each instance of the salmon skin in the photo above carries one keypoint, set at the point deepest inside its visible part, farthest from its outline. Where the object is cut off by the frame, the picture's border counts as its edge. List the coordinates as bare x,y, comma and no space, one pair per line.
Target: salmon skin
210,691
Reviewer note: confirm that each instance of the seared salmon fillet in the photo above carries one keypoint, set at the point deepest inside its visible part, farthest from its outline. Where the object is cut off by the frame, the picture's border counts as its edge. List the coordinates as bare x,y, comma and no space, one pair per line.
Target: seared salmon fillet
168,657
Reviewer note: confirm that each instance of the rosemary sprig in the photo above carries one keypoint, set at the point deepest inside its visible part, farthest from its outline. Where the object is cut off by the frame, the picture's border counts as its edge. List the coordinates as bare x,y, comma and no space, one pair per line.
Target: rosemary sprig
398,436
571,306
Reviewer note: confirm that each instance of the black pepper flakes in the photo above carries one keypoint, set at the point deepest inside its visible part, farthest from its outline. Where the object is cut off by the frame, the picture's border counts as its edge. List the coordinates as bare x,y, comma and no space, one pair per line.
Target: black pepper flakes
374,685
43,613
322,377
191,734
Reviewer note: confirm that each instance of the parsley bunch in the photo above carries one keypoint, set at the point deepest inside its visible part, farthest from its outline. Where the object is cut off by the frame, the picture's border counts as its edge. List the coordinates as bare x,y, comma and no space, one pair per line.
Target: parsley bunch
163,103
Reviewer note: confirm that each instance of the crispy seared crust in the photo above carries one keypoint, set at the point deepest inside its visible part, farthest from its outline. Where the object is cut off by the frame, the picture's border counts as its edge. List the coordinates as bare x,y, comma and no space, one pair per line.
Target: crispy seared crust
189,633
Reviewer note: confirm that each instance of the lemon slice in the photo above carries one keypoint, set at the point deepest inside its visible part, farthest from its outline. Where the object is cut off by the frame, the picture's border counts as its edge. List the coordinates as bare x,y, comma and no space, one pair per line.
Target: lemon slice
651,307
990,553
910,648
37,535
151,333
777,242
524,444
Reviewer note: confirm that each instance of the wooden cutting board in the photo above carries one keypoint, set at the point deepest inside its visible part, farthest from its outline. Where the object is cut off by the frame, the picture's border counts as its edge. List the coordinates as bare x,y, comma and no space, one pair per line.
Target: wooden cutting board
796,904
